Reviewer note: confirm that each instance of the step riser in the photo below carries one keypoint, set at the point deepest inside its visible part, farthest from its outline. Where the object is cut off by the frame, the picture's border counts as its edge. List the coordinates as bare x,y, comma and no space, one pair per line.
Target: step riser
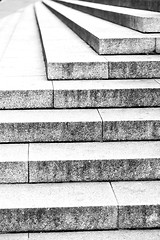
106,98
79,132
151,5
142,24
58,219
94,170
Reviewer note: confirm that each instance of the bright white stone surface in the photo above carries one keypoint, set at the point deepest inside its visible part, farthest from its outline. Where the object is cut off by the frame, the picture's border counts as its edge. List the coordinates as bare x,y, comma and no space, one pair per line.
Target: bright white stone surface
56,195
96,151
13,152
20,236
130,114
78,115
99,235
137,193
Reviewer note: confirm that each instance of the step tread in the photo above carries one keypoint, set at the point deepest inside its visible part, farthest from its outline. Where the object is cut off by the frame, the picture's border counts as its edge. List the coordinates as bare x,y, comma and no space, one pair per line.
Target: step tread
100,235
29,116
93,151
64,195
65,55
130,114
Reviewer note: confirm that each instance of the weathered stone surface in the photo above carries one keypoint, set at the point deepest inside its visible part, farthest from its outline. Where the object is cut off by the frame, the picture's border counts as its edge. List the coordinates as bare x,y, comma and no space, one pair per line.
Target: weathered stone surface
139,204
131,124
140,20
142,66
99,235
78,63
102,93
13,163
50,125
49,207
26,92
65,162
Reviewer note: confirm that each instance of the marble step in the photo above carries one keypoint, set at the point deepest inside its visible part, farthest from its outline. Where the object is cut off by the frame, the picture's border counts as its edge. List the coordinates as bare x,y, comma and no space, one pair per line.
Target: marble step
103,36
66,55
102,93
140,20
79,206
151,5
79,162
79,125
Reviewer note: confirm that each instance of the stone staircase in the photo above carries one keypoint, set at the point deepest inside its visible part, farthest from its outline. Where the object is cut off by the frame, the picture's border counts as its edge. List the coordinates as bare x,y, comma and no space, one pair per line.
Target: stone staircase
80,122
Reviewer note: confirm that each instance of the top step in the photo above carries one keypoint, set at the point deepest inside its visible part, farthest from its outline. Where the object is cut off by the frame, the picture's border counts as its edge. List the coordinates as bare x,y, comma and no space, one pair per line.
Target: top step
152,5
140,20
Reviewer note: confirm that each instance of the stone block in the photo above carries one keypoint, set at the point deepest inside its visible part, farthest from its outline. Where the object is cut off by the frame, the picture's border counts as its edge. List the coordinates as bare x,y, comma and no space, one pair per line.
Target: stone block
139,205
55,207
50,126
130,124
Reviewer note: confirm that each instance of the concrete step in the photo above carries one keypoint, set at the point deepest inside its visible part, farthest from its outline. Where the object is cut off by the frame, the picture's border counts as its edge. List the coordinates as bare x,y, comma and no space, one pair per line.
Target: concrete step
102,93
50,125
77,125
140,20
130,124
81,162
79,206
151,5
103,36
66,55
57,207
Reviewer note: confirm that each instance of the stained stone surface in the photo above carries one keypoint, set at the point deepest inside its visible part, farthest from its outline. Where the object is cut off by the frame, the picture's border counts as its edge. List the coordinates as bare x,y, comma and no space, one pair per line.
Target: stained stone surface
133,66
102,93
131,124
139,204
141,20
64,162
99,235
13,163
72,206
50,125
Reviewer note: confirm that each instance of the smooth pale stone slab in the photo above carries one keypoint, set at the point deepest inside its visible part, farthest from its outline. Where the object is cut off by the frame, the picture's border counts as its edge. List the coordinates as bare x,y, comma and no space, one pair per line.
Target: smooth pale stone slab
57,207
99,235
19,236
78,63
139,204
50,125
141,20
131,124
133,66
26,92
13,163
61,162
105,37
102,93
